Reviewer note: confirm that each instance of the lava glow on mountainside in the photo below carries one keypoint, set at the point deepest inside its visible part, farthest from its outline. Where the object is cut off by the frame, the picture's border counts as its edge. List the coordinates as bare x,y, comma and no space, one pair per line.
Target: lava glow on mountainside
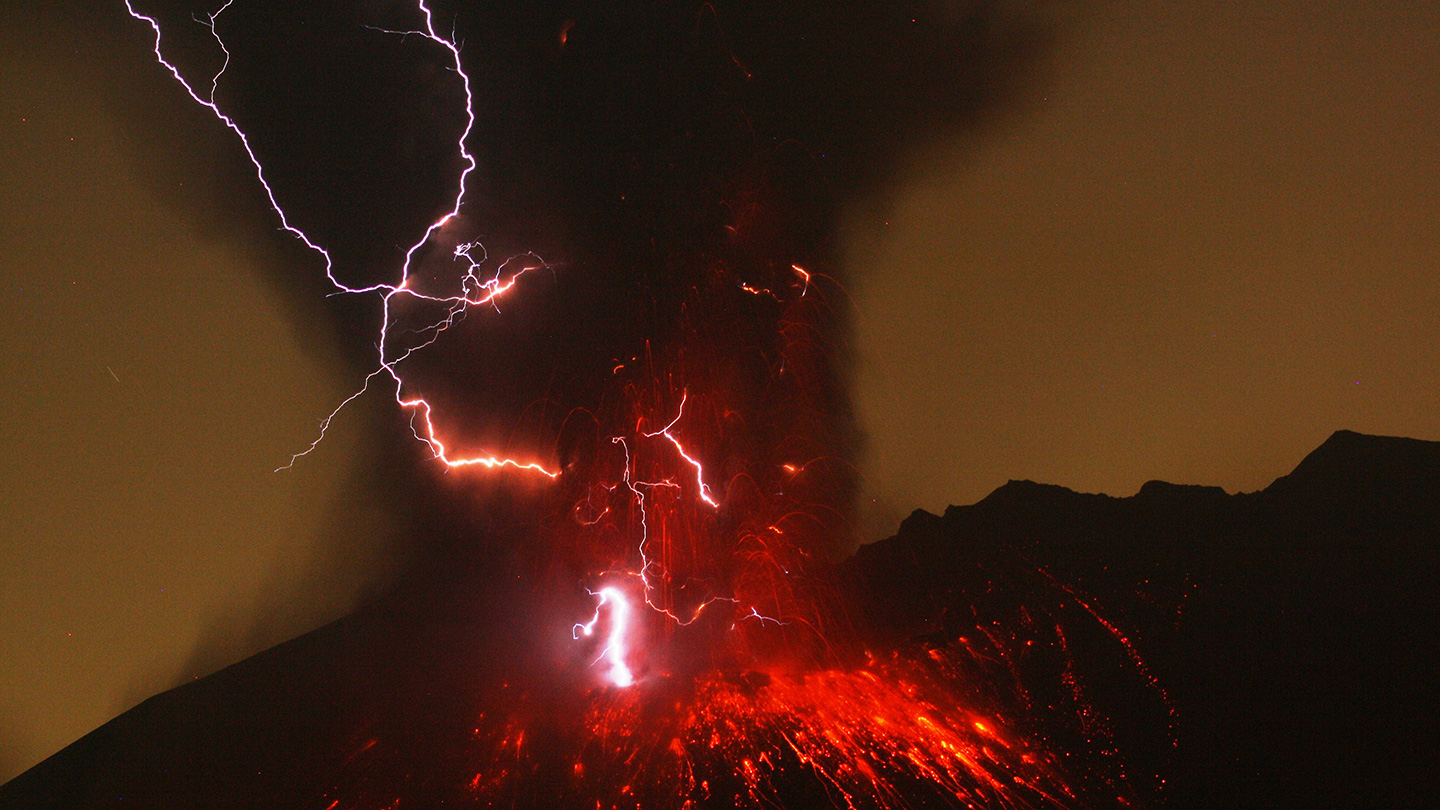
697,504
885,734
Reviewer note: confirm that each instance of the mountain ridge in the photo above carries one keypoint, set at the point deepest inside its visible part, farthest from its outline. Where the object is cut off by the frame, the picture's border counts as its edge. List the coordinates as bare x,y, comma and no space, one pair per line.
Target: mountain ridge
1292,626
1274,651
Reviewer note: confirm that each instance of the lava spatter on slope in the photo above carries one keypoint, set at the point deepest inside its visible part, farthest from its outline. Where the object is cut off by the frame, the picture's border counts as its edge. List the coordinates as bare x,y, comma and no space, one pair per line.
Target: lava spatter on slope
693,459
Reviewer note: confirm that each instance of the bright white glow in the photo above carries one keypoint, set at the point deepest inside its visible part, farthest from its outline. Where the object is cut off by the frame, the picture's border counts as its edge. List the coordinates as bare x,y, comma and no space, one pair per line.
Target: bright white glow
614,651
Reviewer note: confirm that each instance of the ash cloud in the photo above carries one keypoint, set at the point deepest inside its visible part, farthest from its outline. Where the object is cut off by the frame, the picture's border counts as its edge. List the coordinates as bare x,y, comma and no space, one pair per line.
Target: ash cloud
636,145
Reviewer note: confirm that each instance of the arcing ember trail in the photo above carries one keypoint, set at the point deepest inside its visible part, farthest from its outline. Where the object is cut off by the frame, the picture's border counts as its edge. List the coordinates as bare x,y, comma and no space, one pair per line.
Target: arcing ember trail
698,504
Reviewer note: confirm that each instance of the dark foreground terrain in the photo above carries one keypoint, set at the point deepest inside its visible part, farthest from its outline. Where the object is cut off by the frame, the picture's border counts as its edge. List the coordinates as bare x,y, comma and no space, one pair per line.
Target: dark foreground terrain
1269,649
1293,630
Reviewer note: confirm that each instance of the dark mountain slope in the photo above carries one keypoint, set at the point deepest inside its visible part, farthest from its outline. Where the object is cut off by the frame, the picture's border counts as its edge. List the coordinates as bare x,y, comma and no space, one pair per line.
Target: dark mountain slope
1293,629
1281,653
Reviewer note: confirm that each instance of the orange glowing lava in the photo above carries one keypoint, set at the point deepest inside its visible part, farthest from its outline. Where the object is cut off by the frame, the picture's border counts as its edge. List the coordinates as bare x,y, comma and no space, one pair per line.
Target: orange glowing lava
886,735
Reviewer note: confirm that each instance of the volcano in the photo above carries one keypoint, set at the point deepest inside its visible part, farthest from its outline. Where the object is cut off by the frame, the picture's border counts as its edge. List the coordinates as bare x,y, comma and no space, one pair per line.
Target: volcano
1182,647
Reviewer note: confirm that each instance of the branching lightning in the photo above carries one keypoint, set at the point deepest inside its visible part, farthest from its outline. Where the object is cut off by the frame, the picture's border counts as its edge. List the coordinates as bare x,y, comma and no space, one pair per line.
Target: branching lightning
474,289
647,566
705,494
614,651
867,733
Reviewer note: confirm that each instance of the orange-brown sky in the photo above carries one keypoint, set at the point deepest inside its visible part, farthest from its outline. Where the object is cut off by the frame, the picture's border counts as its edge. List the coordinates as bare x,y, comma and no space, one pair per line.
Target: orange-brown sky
1201,240
1205,241
152,381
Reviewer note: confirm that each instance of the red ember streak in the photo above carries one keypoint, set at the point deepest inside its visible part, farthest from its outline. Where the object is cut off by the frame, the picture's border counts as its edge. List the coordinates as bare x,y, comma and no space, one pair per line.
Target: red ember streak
876,735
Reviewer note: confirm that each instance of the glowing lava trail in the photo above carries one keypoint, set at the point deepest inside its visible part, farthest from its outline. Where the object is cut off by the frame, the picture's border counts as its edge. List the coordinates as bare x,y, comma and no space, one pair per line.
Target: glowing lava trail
742,683
475,290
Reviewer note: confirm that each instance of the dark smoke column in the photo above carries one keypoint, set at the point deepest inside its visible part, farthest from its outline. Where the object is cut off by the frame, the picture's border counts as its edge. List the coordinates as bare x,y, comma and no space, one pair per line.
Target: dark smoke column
672,371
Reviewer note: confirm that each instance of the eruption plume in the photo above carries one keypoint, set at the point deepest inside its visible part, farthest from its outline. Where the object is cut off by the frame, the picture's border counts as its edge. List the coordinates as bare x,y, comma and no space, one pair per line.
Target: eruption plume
665,393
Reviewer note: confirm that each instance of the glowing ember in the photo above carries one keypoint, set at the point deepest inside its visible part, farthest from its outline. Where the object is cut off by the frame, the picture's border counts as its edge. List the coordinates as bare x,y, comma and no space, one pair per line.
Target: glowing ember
736,672
884,735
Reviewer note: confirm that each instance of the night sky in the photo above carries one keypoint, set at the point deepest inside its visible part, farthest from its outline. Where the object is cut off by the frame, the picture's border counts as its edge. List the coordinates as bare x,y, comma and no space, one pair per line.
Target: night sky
1190,242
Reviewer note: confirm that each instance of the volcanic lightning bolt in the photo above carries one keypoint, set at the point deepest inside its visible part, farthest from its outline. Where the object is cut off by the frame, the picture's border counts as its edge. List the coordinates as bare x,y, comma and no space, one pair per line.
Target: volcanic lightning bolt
614,651
705,494
475,290
660,547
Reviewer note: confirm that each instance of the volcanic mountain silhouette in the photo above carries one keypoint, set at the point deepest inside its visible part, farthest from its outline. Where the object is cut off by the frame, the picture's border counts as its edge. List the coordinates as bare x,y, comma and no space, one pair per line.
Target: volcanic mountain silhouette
1284,642
1292,629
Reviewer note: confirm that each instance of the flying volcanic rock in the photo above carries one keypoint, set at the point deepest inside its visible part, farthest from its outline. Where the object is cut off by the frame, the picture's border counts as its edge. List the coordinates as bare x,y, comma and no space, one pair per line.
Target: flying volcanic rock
1181,647
1292,630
